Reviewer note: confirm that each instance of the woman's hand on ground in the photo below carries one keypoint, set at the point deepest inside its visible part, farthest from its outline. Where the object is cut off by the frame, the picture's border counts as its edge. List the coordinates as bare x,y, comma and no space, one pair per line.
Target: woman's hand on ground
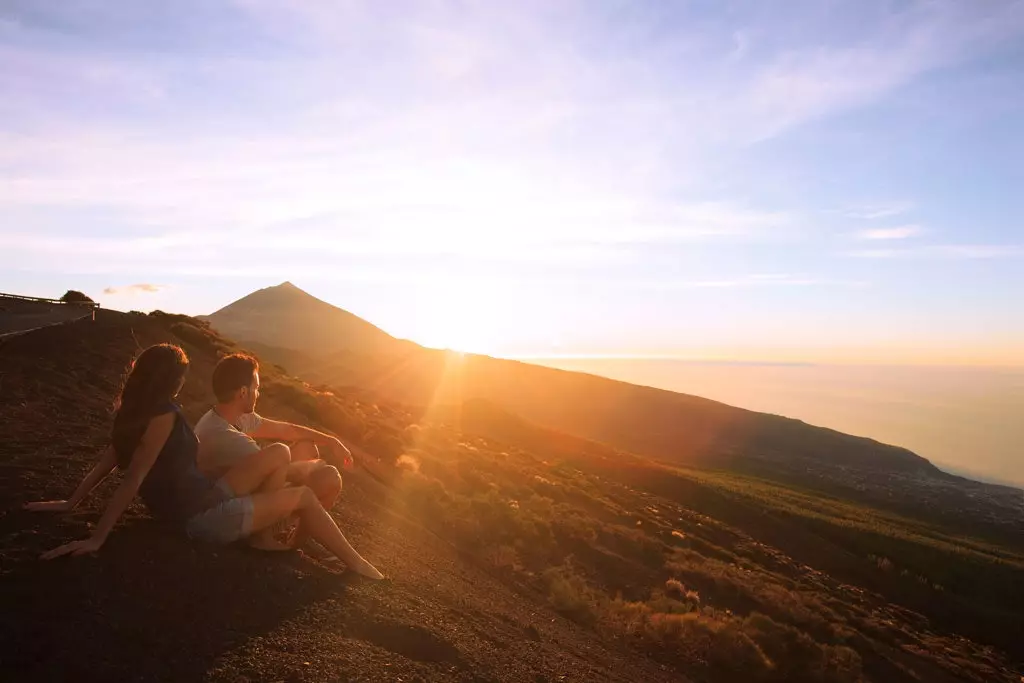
50,506
74,548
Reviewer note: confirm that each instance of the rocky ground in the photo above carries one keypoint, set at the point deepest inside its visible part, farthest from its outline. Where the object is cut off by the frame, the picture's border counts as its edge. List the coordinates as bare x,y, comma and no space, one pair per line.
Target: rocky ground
152,606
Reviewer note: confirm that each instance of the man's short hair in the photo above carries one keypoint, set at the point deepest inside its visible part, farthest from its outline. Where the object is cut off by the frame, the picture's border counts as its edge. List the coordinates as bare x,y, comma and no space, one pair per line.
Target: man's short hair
232,373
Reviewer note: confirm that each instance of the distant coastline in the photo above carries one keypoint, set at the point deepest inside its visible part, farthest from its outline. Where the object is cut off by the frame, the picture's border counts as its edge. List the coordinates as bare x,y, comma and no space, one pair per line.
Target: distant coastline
961,418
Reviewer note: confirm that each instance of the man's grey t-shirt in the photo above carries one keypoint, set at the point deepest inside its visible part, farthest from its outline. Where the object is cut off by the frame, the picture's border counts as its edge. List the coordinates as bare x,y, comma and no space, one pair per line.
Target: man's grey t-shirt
222,444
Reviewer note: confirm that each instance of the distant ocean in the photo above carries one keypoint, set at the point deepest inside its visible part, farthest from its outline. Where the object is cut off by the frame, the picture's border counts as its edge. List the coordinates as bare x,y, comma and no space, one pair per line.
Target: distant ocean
968,421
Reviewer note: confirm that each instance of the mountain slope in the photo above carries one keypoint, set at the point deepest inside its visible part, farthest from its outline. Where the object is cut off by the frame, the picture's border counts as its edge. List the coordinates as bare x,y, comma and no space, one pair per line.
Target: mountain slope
649,421
152,606
517,553
287,317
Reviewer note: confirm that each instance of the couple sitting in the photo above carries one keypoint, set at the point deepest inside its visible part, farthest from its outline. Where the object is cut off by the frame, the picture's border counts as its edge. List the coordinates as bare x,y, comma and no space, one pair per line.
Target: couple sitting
220,487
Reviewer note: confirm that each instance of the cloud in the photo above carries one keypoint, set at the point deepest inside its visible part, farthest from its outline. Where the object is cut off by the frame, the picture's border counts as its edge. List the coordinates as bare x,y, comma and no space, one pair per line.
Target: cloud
132,290
944,251
900,232
752,281
812,81
875,211
518,131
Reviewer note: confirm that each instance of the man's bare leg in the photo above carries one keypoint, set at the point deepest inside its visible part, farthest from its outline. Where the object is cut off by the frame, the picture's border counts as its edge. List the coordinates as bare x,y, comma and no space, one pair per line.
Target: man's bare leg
270,507
325,482
304,469
263,472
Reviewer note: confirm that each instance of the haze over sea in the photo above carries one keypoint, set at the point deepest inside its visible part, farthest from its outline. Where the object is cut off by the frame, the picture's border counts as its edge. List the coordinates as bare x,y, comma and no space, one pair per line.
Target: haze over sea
966,420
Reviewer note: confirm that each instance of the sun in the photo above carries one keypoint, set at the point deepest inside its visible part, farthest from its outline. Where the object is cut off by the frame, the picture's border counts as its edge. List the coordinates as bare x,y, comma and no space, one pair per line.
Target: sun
463,319
457,332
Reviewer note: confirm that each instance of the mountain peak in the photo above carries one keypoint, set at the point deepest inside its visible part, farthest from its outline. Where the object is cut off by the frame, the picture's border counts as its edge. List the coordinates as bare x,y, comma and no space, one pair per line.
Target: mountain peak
287,317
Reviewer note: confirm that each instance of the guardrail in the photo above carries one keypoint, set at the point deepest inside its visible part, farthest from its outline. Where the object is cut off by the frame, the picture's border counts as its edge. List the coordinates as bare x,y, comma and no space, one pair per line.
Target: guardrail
18,297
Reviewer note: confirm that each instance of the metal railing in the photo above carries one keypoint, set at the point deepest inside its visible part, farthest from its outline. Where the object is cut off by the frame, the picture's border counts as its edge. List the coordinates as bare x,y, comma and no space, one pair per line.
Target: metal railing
19,297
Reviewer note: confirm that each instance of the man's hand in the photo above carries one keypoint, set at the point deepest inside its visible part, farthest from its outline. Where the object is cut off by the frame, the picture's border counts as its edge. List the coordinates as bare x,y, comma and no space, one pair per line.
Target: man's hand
342,453
50,506
74,548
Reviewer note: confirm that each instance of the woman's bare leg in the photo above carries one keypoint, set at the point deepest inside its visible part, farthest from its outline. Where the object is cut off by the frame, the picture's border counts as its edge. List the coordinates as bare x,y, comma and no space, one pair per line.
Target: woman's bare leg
272,506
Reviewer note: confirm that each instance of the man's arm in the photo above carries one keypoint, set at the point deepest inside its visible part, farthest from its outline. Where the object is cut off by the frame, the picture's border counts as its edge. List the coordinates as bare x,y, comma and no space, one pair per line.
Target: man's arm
286,431
97,474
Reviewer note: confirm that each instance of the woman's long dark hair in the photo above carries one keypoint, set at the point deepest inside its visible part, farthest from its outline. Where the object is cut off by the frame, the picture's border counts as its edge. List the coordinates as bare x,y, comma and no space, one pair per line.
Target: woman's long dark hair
153,379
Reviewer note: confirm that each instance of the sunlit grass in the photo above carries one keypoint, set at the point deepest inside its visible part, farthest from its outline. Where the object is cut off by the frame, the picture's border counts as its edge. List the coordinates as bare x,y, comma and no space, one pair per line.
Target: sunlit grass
817,506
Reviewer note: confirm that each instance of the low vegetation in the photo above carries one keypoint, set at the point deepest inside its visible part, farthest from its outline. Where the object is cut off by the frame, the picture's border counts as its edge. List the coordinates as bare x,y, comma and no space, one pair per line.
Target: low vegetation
719,575
73,296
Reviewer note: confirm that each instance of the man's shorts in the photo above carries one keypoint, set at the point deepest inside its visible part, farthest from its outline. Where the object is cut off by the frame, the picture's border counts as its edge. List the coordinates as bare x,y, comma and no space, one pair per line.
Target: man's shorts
226,522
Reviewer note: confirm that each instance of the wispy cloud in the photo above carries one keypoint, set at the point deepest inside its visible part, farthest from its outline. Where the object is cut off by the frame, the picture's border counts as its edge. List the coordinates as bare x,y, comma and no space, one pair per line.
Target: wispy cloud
131,290
756,281
944,251
899,232
878,210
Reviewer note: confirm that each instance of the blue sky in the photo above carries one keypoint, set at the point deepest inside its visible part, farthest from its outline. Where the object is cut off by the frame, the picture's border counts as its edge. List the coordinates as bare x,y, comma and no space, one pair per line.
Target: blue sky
823,180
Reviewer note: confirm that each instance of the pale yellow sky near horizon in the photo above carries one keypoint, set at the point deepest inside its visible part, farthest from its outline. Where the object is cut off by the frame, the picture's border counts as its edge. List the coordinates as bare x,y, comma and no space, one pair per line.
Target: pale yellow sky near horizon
471,323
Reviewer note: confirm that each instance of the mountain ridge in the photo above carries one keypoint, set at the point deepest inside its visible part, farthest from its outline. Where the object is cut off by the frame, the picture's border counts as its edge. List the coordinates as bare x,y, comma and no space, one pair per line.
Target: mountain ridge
638,418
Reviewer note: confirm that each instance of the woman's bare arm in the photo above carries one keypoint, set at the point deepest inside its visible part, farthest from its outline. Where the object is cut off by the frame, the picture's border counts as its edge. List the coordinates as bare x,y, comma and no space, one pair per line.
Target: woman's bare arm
97,474
145,455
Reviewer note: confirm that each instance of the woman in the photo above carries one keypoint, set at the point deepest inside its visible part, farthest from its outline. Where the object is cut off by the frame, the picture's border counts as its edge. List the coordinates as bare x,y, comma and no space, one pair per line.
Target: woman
155,446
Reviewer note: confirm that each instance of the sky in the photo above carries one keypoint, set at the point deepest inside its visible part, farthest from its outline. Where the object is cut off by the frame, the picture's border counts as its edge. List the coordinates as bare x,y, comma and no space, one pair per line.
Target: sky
809,180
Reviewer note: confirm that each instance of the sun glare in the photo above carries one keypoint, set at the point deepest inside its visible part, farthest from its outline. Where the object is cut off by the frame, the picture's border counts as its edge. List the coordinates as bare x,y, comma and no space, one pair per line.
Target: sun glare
457,332
460,318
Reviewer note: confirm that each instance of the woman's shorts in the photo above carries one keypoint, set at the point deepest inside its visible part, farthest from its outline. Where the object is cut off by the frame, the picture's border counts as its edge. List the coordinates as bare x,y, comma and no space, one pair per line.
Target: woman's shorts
225,522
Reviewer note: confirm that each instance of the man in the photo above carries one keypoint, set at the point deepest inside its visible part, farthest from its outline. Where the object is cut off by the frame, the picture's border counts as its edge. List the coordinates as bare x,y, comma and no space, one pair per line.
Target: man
228,432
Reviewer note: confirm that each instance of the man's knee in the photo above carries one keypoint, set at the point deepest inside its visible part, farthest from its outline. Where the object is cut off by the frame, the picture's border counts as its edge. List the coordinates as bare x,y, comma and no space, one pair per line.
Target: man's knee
304,450
277,455
307,497
326,483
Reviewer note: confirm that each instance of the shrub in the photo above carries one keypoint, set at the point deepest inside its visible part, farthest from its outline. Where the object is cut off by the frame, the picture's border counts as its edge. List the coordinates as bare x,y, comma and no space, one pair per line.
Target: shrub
73,296
201,338
716,643
504,557
675,589
799,657
569,593
385,444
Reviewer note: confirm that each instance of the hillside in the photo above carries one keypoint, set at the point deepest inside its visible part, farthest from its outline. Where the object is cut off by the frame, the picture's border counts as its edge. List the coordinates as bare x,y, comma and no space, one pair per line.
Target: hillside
676,428
154,607
517,553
